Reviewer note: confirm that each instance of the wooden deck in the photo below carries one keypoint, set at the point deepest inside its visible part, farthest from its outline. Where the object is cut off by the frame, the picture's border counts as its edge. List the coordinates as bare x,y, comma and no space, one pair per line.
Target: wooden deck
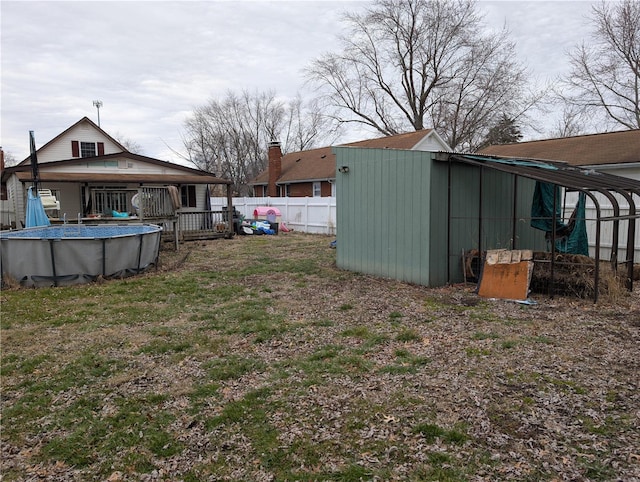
183,226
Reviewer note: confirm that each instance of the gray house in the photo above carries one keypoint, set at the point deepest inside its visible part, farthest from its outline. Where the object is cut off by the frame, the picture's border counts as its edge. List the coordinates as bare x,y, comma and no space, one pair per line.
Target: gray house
87,175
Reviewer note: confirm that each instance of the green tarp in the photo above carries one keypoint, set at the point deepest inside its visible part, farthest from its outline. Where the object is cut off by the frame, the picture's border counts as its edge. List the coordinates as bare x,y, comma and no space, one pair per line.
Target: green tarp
571,237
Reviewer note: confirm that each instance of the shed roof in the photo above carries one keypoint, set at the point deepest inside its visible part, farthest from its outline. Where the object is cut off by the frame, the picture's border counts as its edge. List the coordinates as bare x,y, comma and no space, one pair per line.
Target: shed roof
588,150
320,163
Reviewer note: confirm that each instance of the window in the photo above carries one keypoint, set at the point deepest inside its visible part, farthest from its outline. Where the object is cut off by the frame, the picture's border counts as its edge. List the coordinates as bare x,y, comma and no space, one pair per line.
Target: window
317,192
188,196
87,149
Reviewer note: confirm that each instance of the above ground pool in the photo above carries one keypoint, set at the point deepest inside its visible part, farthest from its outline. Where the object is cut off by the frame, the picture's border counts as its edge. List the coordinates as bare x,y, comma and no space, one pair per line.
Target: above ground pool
77,253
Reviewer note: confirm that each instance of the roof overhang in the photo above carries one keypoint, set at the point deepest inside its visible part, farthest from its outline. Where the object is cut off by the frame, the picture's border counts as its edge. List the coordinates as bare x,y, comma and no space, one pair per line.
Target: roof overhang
301,181
139,178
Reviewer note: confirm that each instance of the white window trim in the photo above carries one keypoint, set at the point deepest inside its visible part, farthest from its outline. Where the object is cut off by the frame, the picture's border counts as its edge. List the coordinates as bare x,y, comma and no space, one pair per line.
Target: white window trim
87,144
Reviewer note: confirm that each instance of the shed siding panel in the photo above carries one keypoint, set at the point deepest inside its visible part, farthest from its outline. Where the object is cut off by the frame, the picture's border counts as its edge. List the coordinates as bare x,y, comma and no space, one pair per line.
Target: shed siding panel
483,214
418,181
465,206
497,210
526,236
387,222
439,224
384,221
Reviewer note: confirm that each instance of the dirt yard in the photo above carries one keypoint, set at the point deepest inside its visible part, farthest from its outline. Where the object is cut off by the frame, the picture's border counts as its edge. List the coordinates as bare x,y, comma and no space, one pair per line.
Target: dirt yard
256,359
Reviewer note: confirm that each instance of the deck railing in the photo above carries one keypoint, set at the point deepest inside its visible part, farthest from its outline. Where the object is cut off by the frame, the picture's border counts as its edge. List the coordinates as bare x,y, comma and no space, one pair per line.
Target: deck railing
145,202
154,202
204,224
155,205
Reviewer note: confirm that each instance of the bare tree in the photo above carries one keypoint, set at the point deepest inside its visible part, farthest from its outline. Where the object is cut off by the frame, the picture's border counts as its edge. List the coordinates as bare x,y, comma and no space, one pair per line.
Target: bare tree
571,123
410,64
305,125
605,76
10,159
128,144
229,137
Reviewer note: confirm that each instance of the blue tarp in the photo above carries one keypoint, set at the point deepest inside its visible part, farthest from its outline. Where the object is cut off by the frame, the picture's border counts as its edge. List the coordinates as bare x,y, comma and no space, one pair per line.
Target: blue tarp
35,211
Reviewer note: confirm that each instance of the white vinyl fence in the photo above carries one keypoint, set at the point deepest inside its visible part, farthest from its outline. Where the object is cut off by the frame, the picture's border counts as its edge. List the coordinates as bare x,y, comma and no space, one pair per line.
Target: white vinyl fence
318,215
306,214
606,235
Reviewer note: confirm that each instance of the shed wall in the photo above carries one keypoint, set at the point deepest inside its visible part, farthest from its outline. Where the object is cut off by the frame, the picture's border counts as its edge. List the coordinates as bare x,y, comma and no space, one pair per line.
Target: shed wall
489,210
383,213
439,215
407,216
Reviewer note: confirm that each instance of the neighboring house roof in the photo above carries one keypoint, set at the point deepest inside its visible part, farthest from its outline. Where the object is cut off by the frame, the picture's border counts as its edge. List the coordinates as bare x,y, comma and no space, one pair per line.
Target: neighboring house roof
588,150
320,164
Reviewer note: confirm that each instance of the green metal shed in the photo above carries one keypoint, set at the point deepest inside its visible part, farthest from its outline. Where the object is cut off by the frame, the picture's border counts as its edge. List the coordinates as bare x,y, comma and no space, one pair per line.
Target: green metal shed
409,215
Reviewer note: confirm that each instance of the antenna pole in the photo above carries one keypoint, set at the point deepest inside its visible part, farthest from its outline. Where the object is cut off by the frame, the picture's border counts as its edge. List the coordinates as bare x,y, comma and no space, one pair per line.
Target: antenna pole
98,104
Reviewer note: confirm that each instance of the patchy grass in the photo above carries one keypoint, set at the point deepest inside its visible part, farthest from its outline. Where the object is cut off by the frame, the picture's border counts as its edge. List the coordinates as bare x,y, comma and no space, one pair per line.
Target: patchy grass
257,359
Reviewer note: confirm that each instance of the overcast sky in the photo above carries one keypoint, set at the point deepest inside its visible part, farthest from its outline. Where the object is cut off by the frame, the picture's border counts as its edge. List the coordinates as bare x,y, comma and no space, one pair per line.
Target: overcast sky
152,62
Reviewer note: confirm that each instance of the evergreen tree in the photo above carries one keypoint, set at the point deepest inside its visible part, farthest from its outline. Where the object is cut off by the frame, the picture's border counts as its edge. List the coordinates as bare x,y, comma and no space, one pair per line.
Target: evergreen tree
506,131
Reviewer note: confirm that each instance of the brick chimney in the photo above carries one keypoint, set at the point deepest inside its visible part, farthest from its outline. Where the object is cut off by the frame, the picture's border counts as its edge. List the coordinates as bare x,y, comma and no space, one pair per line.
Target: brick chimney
275,168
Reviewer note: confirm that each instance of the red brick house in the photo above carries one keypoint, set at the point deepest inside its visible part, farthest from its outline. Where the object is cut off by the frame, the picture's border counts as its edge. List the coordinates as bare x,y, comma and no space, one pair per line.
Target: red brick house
312,173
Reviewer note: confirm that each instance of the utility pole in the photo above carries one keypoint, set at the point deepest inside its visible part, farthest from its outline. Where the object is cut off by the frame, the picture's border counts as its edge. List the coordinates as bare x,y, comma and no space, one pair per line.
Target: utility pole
98,104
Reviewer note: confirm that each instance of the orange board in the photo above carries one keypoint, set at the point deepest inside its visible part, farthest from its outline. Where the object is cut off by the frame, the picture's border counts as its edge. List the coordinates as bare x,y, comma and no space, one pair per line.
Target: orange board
506,275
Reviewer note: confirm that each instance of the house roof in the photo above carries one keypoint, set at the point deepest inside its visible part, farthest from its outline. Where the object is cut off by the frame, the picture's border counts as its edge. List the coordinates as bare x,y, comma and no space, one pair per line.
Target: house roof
608,148
81,121
320,164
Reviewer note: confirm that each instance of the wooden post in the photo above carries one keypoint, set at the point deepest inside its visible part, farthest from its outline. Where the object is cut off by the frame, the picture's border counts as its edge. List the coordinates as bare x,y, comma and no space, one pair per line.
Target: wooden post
230,210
